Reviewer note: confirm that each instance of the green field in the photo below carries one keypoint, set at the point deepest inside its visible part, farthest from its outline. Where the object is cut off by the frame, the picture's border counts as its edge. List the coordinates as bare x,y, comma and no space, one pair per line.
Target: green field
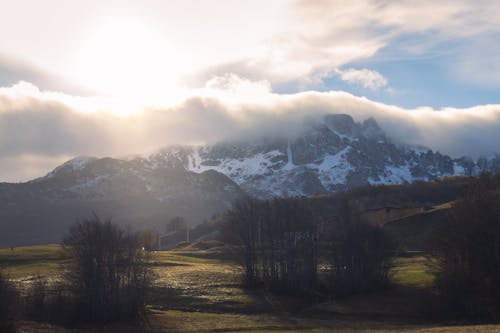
203,294
23,262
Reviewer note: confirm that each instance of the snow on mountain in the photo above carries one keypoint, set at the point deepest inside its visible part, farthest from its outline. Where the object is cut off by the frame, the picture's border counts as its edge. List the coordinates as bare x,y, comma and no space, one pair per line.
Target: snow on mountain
327,155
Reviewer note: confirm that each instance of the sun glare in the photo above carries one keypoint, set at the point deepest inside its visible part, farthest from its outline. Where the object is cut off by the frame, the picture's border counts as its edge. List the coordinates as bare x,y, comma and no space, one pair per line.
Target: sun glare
126,58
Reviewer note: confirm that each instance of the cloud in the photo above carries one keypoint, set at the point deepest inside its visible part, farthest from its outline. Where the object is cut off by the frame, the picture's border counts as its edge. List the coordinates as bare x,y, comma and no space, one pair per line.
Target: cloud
277,41
233,87
320,37
40,129
465,29
366,78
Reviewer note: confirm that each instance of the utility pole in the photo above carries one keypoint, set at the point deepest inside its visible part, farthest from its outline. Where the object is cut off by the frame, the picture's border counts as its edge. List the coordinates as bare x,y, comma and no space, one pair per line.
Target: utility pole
187,233
159,241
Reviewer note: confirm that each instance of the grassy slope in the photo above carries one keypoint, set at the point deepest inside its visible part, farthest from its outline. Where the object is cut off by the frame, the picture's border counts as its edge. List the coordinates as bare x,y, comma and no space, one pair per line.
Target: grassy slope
26,261
413,272
198,294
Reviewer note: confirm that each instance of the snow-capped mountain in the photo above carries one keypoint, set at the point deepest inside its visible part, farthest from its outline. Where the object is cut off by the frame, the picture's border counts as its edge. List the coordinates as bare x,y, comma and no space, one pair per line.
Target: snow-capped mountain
107,178
133,192
327,155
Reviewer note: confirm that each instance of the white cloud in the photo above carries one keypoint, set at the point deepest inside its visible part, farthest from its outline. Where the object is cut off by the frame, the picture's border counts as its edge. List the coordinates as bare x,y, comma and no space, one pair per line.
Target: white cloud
411,29
366,78
37,127
277,41
231,87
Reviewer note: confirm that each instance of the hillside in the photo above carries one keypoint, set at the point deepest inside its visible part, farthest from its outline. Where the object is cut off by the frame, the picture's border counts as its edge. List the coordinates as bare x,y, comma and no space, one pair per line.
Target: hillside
131,192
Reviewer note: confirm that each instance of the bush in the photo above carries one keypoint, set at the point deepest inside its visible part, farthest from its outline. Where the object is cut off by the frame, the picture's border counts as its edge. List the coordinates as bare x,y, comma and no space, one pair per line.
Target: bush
9,305
109,275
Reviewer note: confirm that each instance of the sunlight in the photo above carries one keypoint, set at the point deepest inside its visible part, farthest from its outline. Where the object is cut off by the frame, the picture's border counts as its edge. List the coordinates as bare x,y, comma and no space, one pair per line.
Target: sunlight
126,58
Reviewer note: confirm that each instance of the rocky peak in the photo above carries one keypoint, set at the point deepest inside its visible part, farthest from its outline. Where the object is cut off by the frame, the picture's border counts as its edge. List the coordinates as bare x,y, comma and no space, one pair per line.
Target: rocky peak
328,154
342,124
371,130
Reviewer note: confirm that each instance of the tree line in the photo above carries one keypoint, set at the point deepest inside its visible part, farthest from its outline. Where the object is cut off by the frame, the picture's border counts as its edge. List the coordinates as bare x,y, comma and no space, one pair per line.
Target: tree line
295,246
286,247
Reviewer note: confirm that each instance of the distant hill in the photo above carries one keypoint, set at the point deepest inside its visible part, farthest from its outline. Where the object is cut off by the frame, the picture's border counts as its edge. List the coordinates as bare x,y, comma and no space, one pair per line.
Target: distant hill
131,192
410,213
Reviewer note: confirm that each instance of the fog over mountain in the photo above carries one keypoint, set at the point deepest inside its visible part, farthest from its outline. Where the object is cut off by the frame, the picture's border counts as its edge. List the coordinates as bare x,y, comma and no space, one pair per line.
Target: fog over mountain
40,130
323,155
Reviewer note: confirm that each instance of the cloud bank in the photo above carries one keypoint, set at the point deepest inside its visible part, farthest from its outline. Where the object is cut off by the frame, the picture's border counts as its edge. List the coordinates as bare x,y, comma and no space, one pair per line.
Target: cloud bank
38,130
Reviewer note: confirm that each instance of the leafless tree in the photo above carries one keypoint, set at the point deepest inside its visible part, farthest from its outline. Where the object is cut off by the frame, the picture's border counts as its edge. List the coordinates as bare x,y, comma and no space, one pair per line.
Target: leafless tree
278,242
109,275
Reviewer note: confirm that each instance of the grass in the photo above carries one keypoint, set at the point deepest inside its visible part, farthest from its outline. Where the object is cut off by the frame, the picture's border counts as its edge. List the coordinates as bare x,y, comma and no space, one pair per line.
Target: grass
27,261
413,272
36,252
204,294
183,257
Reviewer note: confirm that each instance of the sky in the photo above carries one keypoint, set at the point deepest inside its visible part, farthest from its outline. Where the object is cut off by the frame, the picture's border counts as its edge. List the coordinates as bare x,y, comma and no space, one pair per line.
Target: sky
111,78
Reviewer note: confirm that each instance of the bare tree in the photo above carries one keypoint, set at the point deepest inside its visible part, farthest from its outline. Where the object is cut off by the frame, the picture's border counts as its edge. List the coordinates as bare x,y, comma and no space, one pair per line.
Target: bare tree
243,224
278,242
360,258
109,274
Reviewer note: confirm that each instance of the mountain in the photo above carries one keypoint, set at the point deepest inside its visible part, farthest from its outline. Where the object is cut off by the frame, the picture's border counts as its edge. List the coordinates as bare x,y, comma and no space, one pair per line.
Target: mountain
327,155
134,192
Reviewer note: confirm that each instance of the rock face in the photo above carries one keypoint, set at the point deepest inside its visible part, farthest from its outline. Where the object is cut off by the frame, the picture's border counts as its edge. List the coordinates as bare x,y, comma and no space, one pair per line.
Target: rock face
135,192
329,154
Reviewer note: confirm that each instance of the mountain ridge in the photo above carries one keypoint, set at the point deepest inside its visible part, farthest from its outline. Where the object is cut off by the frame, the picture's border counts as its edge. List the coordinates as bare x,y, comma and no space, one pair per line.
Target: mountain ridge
130,192
328,155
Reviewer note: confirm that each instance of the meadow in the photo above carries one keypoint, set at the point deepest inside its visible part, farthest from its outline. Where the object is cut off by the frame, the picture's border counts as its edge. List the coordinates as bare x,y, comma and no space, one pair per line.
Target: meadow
197,291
